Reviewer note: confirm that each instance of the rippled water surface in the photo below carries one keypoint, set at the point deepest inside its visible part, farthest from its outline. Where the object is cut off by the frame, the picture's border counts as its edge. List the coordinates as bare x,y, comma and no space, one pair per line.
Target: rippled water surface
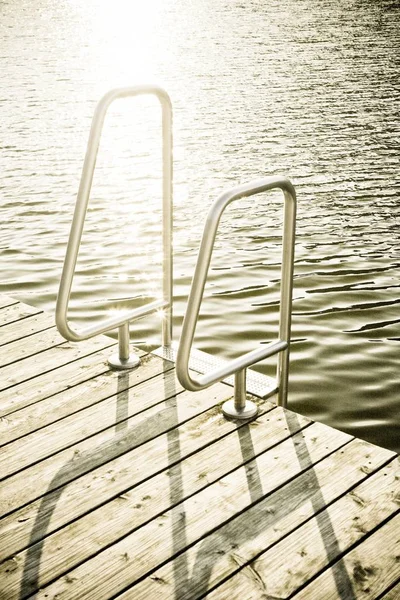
309,89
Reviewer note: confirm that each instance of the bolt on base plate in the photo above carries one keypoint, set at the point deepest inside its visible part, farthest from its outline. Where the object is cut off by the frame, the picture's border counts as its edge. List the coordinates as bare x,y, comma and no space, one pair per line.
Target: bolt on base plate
123,364
247,412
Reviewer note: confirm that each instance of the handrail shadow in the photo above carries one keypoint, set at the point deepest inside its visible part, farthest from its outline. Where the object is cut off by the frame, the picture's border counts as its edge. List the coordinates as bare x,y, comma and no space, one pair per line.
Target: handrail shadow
284,500
194,584
125,440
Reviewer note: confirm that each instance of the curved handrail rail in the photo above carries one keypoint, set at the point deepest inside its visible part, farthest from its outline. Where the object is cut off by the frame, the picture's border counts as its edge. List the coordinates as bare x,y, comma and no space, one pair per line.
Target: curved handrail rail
79,217
238,365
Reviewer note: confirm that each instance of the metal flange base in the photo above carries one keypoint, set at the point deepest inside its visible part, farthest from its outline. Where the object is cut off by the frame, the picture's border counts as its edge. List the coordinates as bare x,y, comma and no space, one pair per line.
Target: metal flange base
231,412
123,364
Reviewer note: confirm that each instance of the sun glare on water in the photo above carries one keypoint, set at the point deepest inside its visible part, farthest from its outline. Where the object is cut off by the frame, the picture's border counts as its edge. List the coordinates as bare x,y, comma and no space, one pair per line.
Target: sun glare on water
123,36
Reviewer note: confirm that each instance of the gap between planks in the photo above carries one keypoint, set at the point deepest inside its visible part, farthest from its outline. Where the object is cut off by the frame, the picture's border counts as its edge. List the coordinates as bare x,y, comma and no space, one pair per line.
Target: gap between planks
119,476
268,550
213,500
48,360
155,542
7,301
20,330
79,398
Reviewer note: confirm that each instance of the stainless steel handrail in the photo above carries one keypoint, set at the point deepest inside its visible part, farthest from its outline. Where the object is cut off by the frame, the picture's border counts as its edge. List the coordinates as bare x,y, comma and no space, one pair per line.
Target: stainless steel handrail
240,407
123,360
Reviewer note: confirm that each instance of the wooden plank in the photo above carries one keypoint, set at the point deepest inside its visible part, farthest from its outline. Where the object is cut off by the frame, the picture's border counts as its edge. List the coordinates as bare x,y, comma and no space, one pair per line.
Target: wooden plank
6,301
113,569
46,385
16,311
119,405
33,344
81,396
393,593
371,567
70,523
298,558
49,360
25,327
69,464
322,540
368,568
218,556
116,478
7,569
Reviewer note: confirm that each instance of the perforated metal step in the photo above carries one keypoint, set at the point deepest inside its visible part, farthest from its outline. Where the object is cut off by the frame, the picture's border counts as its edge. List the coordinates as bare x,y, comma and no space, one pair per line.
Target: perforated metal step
201,362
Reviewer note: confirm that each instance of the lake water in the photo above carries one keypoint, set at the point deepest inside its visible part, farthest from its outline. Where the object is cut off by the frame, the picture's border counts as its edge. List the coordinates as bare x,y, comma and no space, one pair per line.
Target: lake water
309,89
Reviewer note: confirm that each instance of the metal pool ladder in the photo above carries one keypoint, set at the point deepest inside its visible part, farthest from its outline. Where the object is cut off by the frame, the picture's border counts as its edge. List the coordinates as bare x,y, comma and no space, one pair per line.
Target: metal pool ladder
124,359
185,357
240,407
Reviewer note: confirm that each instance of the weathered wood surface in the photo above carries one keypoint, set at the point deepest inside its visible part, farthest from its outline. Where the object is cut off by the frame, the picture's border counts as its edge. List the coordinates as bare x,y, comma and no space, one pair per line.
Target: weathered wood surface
363,573
84,456
46,384
48,360
119,475
87,421
249,544
12,311
30,346
7,301
393,593
371,567
68,402
125,485
18,330
169,532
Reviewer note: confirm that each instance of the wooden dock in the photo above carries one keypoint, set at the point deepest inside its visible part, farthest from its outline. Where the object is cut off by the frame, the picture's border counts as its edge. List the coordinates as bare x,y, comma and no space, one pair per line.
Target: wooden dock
123,485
